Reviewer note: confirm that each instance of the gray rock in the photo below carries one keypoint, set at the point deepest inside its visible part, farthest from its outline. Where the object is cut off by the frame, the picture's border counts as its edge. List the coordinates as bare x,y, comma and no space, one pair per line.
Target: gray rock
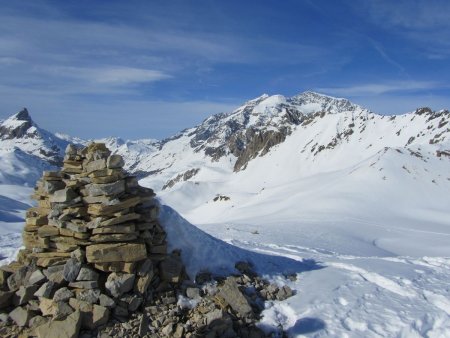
284,293
37,321
179,331
87,284
61,310
87,274
107,189
214,315
79,255
100,316
168,330
37,277
106,301
24,294
95,165
63,196
17,279
90,296
119,283
45,290
193,293
62,295
68,328
53,269
71,270
4,317
115,162
234,297
20,316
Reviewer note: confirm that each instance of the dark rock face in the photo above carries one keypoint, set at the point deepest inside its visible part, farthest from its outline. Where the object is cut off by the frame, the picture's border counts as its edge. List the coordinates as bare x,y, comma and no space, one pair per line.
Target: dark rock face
257,143
181,177
20,128
218,138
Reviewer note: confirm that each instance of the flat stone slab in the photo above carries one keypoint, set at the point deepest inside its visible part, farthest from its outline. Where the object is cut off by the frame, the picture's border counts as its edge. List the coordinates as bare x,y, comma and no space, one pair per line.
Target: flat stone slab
117,252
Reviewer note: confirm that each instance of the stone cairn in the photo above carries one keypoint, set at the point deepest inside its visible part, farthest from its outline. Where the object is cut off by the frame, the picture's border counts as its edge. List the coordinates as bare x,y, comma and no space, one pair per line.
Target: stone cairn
96,264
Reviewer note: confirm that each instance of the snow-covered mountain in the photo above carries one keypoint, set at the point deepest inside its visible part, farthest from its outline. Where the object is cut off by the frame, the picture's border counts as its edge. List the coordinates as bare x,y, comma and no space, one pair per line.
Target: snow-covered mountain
316,133
26,150
311,178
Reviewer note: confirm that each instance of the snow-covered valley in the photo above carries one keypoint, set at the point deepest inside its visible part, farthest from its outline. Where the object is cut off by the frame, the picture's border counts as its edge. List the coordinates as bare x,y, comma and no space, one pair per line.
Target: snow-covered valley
355,203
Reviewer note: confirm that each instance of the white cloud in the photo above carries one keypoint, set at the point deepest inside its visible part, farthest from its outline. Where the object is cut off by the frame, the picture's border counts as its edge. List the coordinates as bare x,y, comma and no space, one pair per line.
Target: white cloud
368,89
106,75
423,22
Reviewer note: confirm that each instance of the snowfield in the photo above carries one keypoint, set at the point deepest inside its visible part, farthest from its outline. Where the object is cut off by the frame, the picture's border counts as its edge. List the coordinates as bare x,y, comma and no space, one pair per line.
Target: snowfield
355,204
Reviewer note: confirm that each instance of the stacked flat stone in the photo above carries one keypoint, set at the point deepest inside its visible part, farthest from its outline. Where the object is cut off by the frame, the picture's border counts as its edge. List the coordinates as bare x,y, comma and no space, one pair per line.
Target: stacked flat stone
93,246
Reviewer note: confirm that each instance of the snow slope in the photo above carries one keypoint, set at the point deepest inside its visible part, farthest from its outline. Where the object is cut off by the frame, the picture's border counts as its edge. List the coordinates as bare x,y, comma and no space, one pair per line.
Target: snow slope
354,202
363,195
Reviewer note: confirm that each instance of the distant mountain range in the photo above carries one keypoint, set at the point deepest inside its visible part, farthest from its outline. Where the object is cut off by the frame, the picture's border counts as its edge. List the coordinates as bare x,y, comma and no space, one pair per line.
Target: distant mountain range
267,142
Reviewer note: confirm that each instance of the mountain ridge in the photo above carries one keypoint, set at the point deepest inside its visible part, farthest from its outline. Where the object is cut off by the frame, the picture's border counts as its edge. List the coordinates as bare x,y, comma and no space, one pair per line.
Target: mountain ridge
238,137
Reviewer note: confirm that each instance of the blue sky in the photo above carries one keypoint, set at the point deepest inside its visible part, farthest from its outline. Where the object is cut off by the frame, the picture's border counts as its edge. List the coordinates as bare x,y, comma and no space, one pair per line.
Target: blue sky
147,69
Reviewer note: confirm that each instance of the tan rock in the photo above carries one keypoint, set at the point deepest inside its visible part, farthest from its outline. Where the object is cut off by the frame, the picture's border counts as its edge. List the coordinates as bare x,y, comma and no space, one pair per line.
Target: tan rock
106,179
100,209
52,174
50,254
95,165
50,261
115,229
120,252
46,306
67,328
37,211
63,195
36,221
48,231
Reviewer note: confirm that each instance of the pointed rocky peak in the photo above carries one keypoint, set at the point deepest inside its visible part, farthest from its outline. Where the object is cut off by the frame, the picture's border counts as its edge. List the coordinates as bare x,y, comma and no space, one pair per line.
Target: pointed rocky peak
17,126
23,115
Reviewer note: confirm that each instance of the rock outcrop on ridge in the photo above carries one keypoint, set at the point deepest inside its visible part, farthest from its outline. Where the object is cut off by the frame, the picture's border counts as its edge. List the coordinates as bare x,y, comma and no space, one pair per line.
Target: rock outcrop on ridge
95,264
